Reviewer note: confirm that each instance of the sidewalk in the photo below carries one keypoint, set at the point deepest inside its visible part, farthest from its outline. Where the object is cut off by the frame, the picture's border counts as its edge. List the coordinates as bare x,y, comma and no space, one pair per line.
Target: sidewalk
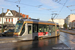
68,31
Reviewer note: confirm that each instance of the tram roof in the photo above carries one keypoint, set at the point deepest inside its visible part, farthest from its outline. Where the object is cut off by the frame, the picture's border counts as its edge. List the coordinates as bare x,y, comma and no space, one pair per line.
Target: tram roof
37,20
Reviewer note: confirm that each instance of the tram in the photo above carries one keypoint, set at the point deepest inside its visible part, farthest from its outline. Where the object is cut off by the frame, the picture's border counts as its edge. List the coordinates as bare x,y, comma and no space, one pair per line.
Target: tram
32,29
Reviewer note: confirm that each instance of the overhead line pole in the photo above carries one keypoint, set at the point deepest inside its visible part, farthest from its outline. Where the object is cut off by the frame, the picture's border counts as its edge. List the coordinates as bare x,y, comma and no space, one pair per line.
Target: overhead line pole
2,19
19,10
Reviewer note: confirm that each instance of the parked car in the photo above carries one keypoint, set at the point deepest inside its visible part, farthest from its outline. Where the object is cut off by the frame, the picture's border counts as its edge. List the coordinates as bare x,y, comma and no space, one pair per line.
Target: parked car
8,32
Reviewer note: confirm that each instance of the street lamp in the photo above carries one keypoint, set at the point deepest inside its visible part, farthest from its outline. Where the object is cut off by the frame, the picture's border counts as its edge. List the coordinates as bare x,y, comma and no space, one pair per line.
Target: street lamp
19,10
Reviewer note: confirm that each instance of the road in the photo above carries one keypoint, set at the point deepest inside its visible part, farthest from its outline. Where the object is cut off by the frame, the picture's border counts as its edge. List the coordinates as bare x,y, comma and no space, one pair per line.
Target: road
63,42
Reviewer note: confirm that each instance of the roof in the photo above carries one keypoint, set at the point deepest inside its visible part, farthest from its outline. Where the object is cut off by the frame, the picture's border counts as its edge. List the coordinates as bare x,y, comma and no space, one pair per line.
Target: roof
37,21
1,14
15,13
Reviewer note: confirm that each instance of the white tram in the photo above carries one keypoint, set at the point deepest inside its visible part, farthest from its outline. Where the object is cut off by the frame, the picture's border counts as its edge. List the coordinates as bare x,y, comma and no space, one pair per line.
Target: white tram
30,29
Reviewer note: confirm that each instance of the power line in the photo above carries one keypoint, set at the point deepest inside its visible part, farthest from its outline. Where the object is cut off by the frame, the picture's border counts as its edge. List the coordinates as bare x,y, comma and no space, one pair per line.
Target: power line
70,9
62,7
70,6
24,4
18,1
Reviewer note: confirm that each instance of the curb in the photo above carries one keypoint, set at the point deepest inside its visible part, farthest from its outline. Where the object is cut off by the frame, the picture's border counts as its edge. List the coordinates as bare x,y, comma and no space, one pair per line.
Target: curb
8,41
68,32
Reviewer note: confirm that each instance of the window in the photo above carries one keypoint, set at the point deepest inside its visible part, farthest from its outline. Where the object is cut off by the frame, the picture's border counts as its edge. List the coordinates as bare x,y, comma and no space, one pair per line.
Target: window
23,29
29,29
52,28
8,13
9,19
48,28
6,19
40,28
35,29
43,28
18,27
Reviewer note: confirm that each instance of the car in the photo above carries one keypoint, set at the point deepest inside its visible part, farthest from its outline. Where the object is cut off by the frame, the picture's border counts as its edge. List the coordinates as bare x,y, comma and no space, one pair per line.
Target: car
8,32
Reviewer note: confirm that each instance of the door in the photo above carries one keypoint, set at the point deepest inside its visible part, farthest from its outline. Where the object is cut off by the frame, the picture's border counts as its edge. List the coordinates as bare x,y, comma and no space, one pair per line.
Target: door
29,35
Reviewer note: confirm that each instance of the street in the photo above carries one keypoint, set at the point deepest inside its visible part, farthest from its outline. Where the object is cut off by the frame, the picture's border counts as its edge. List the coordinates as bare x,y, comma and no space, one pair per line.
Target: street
63,42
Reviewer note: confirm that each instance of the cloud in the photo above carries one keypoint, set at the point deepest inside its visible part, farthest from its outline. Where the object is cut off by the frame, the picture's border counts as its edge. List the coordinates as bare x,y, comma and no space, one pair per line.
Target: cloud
42,8
49,3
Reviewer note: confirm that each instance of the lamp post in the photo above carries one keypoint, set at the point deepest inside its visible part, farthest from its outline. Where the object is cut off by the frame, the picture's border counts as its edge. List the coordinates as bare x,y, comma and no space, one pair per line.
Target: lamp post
19,10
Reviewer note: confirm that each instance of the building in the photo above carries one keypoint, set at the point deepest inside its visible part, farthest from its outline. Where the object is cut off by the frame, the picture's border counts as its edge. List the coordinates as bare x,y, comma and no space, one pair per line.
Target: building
69,19
11,17
59,21
73,24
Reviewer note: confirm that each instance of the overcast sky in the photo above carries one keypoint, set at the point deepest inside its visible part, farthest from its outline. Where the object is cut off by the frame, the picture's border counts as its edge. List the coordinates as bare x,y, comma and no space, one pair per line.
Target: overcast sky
41,9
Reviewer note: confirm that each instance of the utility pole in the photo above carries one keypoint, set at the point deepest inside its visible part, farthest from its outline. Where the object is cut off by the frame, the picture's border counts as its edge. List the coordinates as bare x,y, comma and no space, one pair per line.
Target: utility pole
2,19
19,12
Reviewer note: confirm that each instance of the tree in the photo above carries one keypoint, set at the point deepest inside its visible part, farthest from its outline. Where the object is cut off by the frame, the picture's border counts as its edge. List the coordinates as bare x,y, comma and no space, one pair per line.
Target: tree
65,25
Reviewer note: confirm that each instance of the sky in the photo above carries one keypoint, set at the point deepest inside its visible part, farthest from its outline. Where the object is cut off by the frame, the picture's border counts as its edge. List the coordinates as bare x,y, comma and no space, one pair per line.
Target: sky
40,9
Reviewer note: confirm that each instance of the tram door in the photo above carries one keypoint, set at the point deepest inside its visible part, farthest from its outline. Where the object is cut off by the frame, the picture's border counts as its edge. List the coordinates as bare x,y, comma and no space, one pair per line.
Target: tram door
29,31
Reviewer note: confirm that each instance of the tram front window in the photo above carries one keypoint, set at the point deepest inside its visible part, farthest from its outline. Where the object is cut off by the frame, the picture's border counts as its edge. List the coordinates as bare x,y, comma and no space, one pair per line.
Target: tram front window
18,27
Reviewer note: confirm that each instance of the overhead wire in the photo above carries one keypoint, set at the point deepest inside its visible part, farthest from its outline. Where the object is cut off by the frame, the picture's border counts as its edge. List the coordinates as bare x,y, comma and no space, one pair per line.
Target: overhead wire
37,6
26,4
70,9
22,3
27,11
62,7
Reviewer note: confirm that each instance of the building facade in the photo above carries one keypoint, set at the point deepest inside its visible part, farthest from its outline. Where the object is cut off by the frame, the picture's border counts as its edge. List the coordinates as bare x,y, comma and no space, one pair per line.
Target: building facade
11,17
73,24
69,19
59,21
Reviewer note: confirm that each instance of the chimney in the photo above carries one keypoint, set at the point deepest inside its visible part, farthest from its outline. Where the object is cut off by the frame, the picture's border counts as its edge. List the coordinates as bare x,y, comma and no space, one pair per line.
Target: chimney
7,10
27,16
23,15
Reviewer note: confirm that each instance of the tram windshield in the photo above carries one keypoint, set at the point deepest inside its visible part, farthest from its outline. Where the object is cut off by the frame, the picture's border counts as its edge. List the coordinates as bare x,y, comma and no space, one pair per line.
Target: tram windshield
18,27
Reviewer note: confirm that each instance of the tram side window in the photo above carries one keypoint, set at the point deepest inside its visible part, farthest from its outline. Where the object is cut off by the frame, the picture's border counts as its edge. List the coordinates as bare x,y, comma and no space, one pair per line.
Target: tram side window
35,28
53,28
50,28
23,29
29,30
57,26
40,28
47,28
43,28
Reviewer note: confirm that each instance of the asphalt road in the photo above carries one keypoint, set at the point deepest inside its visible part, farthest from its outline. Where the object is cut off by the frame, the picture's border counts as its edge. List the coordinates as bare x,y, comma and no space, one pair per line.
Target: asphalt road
63,42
